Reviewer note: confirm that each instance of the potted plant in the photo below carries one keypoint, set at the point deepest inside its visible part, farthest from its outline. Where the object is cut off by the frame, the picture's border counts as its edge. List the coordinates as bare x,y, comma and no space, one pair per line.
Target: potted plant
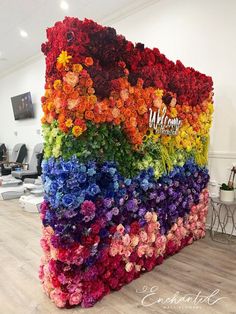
226,193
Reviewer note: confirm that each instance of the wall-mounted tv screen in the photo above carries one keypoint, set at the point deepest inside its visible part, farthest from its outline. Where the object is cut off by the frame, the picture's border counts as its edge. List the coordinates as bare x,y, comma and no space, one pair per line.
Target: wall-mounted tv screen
22,106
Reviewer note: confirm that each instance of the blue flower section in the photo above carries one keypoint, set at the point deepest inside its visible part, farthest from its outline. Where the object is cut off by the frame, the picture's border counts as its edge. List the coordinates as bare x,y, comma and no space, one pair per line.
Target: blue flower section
81,194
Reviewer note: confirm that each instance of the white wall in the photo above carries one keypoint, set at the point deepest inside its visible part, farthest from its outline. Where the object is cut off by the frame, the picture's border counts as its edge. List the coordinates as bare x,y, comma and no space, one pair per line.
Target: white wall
29,78
201,33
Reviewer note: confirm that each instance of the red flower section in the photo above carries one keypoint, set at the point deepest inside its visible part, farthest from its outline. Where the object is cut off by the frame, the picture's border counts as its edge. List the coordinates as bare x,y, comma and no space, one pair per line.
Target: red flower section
111,53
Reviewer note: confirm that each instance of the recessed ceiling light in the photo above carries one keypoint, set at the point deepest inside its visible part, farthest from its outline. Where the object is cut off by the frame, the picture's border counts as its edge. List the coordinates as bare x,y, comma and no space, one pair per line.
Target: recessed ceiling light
23,33
64,5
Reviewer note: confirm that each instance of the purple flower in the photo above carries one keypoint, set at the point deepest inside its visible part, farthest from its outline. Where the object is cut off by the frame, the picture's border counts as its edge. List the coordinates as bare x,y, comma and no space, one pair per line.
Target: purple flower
107,202
115,211
132,205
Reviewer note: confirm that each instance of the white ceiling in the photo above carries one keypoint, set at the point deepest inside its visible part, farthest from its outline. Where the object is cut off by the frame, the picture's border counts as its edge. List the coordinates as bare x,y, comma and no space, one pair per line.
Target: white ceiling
34,16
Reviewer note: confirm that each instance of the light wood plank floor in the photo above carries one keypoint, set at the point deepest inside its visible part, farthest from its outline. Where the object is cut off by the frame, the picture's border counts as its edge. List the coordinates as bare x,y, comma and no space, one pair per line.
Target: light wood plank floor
204,266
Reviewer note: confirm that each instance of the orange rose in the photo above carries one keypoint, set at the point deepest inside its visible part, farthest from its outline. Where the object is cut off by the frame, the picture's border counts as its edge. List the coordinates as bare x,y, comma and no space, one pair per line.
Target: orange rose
124,94
61,118
97,119
142,109
49,118
119,103
89,115
115,112
92,99
88,82
88,61
67,88
133,122
57,84
43,120
77,68
117,121
81,107
91,91
72,103
74,95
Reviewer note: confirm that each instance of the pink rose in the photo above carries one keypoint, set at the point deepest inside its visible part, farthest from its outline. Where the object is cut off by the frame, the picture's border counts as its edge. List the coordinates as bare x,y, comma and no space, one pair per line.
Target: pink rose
126,239
151,237
141,250
72,103
71,78
134,240
76,297
148,216
120,228
59,297
152,226
143,236
129,266
149,251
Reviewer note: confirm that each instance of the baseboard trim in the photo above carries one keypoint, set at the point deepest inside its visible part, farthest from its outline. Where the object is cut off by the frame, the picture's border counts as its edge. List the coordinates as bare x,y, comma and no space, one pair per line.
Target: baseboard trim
222,155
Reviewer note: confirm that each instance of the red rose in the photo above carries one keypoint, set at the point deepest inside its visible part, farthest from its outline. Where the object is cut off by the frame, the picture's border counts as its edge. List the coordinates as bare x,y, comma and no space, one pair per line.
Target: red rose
134,227
95,228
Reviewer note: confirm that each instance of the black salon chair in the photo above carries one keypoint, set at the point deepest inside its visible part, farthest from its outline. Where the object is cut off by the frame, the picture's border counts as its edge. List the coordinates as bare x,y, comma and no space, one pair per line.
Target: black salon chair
18,156
3,152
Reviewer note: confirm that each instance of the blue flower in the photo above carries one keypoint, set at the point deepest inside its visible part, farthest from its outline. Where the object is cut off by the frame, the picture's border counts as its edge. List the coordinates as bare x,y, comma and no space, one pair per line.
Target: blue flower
82,168
91,172
82,177
145,184
69,201
80,199
93,189
47,184
116,185
53,187
127,182
112,171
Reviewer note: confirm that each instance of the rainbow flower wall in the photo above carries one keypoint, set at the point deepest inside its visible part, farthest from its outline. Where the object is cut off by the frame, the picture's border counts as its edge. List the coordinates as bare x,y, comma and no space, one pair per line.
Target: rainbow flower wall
126,138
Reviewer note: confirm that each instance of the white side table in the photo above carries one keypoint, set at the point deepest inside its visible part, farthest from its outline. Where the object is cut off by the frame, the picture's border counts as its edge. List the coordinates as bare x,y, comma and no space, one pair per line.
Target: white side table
222,214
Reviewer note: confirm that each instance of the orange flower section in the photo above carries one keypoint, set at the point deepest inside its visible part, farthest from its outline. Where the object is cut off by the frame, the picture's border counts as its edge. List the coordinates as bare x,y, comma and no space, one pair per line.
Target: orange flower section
72,101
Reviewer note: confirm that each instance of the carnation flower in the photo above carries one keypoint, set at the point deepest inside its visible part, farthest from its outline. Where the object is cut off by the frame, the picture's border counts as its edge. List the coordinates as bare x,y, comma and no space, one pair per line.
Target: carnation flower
88,208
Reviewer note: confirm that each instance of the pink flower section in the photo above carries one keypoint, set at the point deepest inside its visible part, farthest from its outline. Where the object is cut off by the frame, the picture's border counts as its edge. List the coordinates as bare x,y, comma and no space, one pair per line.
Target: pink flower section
126,256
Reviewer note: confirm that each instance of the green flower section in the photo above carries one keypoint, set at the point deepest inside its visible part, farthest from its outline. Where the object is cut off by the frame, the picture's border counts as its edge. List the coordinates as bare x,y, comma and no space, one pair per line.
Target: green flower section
109,143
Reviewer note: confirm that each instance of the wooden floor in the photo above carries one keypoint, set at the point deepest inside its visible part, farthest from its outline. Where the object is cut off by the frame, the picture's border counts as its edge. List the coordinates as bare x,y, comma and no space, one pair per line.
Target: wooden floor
200,268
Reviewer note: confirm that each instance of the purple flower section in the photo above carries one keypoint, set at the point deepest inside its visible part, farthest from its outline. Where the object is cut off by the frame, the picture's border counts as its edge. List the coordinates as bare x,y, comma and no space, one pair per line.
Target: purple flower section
82,195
